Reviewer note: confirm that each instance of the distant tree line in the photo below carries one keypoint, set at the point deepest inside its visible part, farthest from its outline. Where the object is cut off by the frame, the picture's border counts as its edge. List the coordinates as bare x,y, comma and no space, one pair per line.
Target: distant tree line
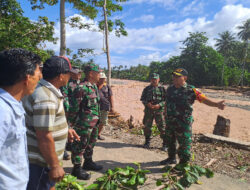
227,65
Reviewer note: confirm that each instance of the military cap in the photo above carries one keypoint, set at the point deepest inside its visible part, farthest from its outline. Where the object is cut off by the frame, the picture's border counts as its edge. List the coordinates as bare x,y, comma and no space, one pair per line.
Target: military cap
92,67
155,76
180,72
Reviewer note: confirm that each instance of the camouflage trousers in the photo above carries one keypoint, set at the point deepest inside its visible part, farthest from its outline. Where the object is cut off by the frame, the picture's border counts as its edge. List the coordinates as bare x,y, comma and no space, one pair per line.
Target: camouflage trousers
149,117
182,132
84,147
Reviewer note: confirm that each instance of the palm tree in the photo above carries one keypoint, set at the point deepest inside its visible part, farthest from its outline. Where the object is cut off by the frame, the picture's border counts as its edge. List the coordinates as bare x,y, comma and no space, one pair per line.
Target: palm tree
244,35
225,46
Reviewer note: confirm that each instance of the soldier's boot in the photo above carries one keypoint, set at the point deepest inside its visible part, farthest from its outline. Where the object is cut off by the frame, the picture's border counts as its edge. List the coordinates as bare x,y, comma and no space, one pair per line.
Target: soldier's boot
147,143
80,173
90,165
170,160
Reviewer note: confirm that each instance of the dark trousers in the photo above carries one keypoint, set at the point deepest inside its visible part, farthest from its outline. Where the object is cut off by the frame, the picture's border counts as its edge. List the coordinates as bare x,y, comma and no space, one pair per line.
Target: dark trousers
39,178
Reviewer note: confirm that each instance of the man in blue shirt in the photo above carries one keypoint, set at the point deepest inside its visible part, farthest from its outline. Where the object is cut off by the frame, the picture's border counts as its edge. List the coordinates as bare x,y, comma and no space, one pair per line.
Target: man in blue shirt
19,75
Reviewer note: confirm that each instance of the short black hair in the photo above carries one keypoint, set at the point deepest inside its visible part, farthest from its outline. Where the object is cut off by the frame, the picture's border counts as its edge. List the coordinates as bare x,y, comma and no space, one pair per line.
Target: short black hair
16,64
54,66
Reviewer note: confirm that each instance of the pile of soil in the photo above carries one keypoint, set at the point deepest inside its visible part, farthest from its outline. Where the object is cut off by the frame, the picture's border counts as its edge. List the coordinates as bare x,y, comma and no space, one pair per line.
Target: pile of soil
228,159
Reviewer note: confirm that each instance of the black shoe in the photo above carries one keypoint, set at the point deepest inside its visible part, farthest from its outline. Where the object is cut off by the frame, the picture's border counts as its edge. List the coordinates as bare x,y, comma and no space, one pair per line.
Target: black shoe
168,161
90,165
101,138
79,173
147,143
66,156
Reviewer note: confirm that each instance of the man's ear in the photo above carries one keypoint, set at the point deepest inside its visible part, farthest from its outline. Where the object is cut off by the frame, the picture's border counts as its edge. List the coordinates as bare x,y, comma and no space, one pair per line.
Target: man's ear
185,78
26,80
60,77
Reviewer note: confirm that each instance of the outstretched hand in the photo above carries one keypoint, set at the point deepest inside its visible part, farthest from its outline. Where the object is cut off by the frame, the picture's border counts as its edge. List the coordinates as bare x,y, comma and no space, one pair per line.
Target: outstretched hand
221,105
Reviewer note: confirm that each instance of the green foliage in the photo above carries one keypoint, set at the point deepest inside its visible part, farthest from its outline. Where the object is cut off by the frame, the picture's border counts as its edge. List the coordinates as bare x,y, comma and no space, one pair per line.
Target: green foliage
18,31
120,178
111,6
86,7
204,64
155,131
140,72
70,182
182,176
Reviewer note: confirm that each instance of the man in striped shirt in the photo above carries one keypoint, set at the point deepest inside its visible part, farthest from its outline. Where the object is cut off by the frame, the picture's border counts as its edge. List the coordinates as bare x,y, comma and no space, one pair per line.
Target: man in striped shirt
47,127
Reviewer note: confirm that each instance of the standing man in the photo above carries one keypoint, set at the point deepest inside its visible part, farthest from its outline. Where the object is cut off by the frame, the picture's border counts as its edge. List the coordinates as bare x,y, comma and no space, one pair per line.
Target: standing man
67,92
179,119
86,109
19,75
106,102
153,98
47,128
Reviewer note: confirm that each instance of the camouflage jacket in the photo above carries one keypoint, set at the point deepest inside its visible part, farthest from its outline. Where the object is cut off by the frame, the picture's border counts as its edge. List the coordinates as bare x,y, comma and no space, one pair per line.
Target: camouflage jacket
179,102
155,95
85,105
67,92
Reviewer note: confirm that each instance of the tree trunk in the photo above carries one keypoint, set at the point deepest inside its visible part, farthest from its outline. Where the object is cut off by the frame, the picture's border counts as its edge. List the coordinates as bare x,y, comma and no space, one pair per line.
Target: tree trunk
62,29
107,42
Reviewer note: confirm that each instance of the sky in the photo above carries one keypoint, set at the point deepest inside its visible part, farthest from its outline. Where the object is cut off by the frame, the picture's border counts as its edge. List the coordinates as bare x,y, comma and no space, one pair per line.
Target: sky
155,28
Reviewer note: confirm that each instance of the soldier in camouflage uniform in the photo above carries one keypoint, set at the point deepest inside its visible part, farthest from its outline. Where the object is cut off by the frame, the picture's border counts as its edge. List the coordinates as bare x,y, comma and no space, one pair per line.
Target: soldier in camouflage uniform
153,98
67,92
85,106
179,100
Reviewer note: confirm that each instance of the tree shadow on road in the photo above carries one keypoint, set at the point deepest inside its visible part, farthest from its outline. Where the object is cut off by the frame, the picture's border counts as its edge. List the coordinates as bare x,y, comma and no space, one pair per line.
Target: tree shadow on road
153,166
116,145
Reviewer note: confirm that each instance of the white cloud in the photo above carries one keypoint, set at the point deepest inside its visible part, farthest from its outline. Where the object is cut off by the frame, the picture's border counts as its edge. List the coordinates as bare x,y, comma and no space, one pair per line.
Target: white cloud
161,41
195,7
145,18
175,32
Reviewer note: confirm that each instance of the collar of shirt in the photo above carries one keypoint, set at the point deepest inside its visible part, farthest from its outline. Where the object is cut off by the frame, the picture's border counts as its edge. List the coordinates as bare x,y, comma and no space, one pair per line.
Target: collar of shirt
14,104
89,84
50,86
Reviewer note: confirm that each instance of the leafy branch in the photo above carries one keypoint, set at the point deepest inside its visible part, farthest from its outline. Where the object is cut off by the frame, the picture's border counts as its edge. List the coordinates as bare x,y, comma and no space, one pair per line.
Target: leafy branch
120,178
182,176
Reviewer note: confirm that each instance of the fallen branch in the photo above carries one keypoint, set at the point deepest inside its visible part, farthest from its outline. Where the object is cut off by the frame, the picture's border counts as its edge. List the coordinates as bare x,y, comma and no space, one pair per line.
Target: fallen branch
159,187
210,162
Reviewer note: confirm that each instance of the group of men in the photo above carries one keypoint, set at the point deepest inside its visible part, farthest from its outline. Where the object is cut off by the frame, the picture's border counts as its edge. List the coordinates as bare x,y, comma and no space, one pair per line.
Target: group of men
51,114
172,111
31,102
